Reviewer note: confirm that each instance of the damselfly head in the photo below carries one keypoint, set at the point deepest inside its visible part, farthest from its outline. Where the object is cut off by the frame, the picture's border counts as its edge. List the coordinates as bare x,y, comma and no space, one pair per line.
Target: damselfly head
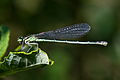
20,39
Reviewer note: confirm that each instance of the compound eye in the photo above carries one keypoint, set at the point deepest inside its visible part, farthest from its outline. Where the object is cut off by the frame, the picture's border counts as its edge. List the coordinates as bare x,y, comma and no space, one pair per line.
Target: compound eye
20,39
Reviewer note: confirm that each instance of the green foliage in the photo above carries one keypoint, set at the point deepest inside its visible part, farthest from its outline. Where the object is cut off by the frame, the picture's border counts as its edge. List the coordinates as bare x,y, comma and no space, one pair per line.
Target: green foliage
21,59
4,39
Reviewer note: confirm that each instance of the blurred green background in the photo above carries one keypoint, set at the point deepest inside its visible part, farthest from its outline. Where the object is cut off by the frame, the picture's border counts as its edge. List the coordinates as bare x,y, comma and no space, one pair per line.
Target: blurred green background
72,62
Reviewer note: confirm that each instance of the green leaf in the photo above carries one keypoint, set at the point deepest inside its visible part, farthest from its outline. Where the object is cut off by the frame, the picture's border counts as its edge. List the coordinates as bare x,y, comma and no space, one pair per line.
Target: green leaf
4,39
22,59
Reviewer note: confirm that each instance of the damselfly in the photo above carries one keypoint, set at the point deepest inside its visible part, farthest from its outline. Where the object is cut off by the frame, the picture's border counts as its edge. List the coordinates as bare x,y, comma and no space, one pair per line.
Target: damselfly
60,35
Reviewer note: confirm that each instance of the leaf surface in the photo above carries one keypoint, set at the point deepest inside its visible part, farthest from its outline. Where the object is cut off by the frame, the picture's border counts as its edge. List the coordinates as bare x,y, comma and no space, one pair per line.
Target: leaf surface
4,39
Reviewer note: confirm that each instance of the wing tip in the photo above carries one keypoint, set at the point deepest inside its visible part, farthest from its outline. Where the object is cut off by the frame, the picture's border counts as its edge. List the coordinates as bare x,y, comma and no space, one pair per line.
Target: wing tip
86,25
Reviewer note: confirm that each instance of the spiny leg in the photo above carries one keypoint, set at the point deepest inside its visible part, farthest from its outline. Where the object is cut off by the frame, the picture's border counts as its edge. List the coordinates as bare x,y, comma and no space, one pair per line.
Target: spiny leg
30,44
22,46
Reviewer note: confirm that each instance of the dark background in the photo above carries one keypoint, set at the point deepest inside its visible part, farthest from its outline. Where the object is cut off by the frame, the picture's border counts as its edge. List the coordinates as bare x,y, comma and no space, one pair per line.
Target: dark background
72,62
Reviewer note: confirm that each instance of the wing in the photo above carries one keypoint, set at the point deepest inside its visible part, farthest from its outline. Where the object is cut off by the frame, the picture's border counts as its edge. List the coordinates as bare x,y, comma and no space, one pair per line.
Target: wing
68,32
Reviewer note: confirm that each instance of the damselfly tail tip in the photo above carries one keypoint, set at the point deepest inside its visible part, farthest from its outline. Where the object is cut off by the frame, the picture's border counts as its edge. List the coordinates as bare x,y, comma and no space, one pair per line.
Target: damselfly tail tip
104,43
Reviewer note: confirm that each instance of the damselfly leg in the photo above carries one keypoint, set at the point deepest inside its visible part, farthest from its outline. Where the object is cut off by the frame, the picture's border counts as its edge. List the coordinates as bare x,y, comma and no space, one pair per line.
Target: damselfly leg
31,45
